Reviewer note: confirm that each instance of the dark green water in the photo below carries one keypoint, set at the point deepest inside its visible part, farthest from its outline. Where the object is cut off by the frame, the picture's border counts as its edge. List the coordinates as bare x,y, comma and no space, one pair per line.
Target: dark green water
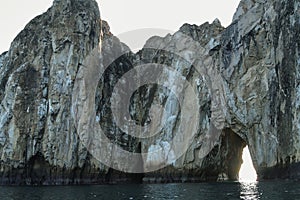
263,190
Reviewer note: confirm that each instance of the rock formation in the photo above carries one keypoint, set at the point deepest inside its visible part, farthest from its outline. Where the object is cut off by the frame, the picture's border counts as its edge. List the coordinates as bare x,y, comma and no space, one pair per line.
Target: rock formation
229,87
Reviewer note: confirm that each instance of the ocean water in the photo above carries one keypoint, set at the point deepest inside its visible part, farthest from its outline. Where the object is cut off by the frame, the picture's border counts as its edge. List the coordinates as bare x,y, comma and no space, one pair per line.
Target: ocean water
229,190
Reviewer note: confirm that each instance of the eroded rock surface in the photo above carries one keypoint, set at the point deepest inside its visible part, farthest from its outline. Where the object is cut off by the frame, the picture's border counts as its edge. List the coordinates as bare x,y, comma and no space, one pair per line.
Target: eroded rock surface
61,72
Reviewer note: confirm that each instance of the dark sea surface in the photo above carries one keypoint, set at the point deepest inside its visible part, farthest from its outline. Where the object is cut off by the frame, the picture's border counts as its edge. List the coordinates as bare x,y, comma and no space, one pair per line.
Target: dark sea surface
230,190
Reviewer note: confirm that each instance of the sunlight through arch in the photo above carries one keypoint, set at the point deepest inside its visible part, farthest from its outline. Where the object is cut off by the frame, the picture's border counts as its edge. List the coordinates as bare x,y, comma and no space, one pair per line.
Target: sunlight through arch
247,172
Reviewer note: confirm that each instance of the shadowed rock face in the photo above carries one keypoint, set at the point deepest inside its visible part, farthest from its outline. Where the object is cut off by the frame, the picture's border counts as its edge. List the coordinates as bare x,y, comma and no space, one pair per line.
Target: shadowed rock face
245,78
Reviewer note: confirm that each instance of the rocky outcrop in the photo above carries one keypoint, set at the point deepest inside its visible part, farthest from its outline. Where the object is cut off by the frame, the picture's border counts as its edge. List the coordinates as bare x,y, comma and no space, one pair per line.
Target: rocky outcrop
39,143
181,109
260,64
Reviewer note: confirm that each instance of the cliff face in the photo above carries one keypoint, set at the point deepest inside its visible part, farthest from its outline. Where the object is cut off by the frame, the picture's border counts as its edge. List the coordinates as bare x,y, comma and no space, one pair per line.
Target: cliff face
187,107
260,62
39,143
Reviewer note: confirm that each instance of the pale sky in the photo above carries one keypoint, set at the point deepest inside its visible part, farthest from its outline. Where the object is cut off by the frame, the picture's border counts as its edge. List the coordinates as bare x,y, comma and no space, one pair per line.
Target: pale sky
247,171
122,15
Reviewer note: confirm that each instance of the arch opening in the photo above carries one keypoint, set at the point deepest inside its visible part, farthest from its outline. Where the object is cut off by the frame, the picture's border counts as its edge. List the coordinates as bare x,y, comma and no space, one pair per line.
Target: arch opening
247,171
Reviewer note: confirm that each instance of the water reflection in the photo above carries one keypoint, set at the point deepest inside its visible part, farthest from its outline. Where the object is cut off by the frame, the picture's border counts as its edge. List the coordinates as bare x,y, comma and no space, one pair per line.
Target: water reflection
167,191
272,190
249,190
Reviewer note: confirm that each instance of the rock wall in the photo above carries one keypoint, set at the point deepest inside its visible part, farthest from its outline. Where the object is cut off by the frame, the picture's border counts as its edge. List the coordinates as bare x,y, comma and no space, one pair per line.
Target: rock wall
39,143
229,87
260,61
